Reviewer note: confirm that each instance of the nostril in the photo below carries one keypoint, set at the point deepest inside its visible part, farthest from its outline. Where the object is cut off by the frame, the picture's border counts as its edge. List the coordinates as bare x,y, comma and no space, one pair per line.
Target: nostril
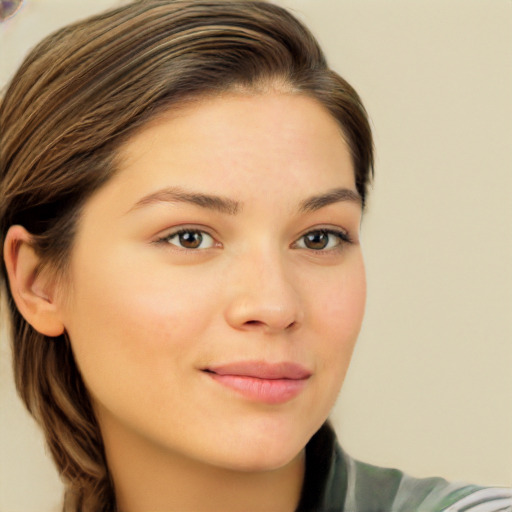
259,323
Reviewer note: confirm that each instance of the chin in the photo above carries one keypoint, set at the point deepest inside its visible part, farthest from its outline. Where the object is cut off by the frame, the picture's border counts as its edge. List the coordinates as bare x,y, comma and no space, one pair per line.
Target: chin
267,449
263,461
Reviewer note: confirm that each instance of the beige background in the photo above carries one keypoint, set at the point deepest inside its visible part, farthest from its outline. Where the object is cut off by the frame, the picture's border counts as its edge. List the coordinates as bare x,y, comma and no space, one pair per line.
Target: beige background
430,389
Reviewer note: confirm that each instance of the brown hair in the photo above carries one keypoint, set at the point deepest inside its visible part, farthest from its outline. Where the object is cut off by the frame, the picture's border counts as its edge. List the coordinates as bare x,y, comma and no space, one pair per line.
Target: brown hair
75,99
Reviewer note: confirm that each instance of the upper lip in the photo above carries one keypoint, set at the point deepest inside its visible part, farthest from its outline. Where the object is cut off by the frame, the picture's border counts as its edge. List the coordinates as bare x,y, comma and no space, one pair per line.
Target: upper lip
262,370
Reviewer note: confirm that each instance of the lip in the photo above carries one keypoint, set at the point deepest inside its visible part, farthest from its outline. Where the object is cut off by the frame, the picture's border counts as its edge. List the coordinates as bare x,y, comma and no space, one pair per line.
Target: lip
270,383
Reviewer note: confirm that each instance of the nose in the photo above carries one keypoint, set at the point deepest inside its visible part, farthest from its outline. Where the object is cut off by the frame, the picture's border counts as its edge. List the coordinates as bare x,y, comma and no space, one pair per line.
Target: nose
262,296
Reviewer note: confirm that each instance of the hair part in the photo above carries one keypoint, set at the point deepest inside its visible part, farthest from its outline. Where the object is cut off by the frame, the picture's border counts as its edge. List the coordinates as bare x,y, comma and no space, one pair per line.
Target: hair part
77,97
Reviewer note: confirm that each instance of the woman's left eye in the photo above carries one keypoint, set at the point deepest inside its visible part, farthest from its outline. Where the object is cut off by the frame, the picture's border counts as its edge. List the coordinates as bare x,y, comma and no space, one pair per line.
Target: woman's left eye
322,240
189,239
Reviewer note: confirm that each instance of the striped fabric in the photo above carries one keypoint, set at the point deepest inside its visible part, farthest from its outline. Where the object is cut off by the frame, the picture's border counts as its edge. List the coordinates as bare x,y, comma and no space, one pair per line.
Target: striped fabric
335,482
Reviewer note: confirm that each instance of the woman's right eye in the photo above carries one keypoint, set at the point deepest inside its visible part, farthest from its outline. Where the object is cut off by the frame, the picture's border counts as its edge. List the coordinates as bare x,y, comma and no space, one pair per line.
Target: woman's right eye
189,239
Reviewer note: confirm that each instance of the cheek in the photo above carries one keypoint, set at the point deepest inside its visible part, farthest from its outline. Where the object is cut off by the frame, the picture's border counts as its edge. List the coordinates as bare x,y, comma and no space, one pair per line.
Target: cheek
339,311
131,323
341,302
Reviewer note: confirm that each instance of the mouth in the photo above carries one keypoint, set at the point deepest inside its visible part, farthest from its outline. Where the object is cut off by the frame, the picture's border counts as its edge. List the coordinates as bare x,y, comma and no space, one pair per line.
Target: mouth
270,383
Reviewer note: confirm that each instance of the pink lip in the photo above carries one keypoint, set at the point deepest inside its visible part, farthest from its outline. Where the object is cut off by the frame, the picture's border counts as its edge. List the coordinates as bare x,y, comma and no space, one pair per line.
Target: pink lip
260,381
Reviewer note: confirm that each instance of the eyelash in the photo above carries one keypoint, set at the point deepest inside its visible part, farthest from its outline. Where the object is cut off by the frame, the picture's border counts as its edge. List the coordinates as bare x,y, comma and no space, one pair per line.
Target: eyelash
343,239
342,236
166,239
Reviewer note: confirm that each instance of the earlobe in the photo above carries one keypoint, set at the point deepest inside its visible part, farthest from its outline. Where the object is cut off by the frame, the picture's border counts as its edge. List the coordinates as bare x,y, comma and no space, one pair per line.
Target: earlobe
32,290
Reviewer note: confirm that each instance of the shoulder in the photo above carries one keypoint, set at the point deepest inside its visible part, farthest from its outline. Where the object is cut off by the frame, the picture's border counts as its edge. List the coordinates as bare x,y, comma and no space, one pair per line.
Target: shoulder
375,489
335,482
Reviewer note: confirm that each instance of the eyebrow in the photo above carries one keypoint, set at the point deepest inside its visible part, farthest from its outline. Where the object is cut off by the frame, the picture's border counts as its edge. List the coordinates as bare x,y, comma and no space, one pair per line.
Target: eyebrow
232,207
178,195
336,195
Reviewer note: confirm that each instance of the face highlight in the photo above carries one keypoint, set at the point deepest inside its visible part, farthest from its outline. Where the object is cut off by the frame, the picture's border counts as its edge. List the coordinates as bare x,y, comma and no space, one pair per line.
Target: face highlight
218,282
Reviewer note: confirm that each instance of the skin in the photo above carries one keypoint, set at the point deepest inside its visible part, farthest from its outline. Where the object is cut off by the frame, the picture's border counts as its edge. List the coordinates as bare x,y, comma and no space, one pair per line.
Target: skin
146,315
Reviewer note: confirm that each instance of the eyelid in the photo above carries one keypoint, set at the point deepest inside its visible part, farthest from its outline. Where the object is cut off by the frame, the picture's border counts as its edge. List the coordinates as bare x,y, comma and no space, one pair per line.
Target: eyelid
342,234
193,228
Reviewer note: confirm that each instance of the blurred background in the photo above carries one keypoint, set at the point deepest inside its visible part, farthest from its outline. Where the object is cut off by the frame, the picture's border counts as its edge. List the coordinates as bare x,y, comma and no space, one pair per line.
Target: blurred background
430,387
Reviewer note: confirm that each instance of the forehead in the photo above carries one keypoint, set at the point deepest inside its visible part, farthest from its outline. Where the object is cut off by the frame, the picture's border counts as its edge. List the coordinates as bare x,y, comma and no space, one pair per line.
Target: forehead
240,146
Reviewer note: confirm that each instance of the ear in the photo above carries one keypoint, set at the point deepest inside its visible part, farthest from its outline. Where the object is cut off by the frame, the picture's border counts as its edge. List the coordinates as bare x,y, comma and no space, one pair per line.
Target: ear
32,291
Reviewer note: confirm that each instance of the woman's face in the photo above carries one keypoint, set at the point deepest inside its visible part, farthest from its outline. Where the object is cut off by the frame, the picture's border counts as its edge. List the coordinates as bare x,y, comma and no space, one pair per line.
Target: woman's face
217,282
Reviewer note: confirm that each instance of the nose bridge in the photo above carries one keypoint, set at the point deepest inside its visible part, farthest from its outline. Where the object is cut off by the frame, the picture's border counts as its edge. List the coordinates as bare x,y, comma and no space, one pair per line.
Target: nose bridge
264,295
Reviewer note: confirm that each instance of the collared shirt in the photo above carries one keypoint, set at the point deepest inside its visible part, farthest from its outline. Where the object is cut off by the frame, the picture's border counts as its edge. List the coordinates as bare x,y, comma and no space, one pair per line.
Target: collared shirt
334,482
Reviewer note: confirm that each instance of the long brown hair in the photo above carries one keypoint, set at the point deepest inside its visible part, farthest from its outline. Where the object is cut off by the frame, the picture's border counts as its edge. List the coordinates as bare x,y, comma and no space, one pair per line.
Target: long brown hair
75,99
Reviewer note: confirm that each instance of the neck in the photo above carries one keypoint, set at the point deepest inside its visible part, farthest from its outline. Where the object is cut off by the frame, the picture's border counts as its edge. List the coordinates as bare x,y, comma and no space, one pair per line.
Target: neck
149,478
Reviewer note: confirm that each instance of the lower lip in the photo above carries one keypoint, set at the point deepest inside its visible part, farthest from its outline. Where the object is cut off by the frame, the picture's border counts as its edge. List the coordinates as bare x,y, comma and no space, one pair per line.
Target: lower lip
268,391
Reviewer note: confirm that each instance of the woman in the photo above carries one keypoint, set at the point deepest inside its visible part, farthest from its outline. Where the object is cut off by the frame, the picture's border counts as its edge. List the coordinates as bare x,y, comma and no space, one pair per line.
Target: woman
184,184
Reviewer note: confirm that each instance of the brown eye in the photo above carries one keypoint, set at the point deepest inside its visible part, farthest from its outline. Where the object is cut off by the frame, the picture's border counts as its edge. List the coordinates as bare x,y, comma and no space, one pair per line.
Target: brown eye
190,239
323,240
316,240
